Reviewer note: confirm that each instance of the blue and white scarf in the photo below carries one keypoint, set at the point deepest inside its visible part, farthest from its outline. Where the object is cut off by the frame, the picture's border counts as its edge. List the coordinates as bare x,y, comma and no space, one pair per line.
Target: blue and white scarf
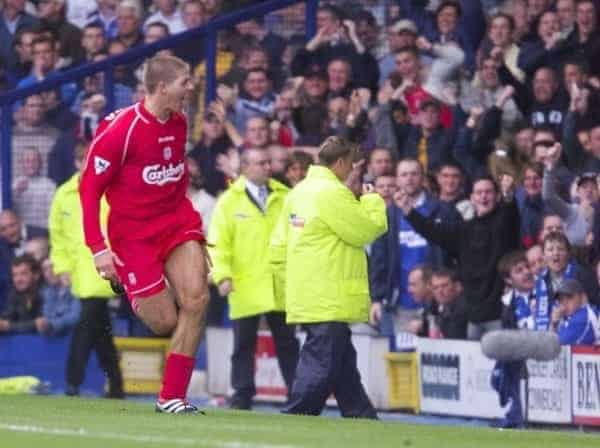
545,304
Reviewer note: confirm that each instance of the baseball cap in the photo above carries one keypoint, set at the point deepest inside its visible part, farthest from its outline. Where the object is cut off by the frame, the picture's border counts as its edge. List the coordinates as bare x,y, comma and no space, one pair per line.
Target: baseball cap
404,25
568,287
585,177
315,70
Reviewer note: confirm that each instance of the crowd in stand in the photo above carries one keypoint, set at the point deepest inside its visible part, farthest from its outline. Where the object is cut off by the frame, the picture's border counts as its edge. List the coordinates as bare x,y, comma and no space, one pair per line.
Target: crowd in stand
483,113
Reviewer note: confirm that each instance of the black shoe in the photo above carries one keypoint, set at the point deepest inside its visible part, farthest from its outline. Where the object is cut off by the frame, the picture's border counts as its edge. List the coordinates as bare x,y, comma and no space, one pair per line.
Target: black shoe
71,391
240,403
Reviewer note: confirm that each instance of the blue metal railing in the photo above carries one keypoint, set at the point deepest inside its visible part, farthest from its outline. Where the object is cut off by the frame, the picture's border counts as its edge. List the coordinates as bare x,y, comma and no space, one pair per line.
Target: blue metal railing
207,31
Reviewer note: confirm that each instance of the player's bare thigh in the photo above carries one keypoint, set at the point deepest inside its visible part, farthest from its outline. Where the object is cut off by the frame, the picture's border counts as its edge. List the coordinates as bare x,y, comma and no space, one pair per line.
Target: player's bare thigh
158,312
187,271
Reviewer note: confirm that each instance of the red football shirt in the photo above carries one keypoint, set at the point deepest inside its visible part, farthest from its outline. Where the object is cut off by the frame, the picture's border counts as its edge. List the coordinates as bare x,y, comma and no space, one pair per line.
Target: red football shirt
139,163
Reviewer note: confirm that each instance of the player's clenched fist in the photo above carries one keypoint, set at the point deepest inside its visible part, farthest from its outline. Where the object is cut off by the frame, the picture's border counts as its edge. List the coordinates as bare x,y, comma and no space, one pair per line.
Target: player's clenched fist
105,265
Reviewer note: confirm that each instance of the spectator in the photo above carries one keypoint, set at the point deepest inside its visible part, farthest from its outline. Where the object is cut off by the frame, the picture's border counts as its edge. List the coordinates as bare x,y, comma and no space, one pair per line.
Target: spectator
336,38
154,32
32,130
478,244
21,65
396,253
106,16
253,56
257,133
93,40
247,280
560,266
544,141
500,44
297,167
535,259
549,104
391,123
193,15
551,222
339,74
168,13
429,141
53,14
203,202
443,26
129,16
32,192
548,49
15,234
575,321
12,19
280,157
256,98
90,102
38,248
424,325
73,263
254,30
450,183
45,65
519,299
379,162
23,312
60,308
565,10
584,40
401,34
451,306
385,186
124,74
213,144
578,218
578,158
531,205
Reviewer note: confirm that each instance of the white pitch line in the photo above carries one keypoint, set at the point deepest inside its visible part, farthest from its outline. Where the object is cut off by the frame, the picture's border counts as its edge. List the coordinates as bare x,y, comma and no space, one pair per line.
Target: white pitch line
81,432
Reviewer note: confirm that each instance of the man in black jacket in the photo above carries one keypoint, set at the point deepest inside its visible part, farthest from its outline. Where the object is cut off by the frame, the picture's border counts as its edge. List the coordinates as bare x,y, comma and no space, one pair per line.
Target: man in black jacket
23,311
478,244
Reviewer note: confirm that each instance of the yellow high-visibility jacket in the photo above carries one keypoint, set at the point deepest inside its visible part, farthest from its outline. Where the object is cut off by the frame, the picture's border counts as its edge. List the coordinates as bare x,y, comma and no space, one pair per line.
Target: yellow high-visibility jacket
239,234
68,251
318,249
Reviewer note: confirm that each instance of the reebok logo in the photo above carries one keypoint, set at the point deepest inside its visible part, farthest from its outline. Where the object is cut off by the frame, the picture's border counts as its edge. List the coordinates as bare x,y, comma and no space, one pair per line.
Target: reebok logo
100,165
168,138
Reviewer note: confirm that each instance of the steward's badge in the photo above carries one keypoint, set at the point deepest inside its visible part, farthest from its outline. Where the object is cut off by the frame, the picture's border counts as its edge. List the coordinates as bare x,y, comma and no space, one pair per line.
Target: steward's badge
296,221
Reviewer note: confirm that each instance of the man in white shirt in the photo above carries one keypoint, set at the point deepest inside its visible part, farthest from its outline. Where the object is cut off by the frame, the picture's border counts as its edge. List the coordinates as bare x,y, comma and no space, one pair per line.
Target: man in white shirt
169,14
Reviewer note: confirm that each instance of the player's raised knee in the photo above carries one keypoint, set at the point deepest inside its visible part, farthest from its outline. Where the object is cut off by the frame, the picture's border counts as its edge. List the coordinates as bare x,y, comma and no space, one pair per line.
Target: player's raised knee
194,300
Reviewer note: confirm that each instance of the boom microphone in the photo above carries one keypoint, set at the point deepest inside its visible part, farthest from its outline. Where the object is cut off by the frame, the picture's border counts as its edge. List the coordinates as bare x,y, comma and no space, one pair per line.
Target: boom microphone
519,345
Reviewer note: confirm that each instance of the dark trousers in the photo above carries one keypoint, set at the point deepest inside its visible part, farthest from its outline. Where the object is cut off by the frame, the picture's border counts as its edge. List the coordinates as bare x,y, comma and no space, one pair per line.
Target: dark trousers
244,347
94,331
328,365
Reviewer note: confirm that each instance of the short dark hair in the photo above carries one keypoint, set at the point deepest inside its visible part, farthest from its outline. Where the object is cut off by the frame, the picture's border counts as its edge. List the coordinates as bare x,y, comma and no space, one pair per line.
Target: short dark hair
507,17
28,260
425,269
557,237
509,261
94,25
162,25
444,272
20,32
536,167
335,148
333,10
449,3
578,62
301,158
408,49
486,177
44,39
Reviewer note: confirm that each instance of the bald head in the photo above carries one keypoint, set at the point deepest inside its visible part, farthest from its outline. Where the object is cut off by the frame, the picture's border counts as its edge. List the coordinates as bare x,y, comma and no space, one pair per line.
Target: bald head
10,226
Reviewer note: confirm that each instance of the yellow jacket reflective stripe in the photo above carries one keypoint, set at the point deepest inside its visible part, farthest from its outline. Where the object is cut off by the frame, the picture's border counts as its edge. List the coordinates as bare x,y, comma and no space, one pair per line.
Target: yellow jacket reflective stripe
68,250
239,234
318,246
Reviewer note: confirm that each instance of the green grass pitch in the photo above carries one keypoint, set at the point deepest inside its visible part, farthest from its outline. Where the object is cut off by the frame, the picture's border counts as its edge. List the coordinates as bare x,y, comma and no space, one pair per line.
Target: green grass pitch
49,422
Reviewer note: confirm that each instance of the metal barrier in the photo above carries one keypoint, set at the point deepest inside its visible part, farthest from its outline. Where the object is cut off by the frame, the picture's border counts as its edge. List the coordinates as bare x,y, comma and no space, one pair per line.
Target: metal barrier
207,31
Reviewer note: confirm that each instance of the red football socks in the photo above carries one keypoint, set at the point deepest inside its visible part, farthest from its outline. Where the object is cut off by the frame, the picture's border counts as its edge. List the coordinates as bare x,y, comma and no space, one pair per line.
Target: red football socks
176,377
